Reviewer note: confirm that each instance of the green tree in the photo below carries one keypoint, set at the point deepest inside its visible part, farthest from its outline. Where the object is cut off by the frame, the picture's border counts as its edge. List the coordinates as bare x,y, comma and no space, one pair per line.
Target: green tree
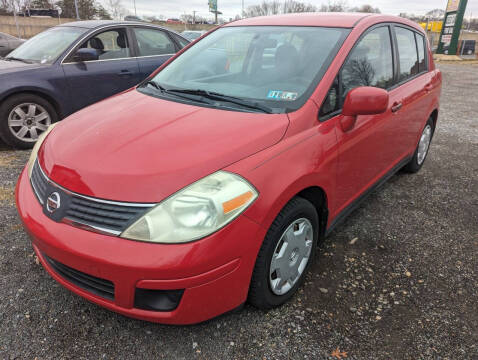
102,13
88,9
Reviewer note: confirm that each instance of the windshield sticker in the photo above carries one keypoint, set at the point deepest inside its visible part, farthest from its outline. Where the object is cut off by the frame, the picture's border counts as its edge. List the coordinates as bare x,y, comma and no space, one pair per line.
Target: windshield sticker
282,95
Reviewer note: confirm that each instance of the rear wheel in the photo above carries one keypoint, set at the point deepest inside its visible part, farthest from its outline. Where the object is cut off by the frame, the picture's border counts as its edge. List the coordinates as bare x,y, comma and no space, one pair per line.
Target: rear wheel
23,118
421,151
286,255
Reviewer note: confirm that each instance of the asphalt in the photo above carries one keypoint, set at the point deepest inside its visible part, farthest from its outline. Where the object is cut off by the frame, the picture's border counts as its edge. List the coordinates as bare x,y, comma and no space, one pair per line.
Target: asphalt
397,280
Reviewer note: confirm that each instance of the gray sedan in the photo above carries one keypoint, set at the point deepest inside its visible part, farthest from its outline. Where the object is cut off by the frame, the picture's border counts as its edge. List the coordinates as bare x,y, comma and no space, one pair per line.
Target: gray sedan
8,43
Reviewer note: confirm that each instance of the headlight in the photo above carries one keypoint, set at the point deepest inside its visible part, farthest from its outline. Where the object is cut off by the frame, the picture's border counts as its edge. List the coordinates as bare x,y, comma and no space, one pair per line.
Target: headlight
36,148
195,211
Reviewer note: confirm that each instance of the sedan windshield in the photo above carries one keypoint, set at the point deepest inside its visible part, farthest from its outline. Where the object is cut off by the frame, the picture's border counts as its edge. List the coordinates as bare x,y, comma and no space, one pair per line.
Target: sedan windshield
277,67
47,46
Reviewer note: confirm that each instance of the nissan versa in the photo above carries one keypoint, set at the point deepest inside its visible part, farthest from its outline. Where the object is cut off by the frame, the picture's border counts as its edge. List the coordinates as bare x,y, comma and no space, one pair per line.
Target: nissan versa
210,183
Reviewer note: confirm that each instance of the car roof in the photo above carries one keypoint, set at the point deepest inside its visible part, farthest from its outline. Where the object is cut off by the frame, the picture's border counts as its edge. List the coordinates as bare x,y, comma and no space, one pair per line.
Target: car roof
93,24
326,19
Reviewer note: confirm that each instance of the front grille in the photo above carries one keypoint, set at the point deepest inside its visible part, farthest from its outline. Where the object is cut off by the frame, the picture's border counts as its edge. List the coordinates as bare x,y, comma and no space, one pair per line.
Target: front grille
101,215
101,287
39,183
92,214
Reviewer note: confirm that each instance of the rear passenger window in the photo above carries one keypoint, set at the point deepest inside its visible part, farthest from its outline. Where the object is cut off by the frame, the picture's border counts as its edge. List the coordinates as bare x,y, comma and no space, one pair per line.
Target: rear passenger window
407,52
370,63
182,42
422,64
153,42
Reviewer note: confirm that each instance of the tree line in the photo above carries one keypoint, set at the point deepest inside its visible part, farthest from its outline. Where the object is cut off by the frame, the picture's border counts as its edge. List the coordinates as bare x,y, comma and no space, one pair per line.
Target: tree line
274,7
87,9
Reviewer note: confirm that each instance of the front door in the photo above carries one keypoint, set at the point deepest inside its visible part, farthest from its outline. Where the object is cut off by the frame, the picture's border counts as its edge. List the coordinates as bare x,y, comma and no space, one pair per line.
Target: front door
364,151
115,70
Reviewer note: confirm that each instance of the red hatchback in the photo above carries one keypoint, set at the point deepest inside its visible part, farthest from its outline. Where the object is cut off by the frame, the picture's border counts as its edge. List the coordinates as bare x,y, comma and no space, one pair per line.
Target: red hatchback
211,183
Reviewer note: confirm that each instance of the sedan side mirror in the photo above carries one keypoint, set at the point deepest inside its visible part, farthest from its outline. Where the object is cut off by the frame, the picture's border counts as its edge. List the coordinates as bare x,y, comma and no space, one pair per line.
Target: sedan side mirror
364,100
85,54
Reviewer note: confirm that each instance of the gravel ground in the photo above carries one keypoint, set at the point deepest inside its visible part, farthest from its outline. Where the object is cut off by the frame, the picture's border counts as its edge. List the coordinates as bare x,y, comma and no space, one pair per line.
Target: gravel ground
396,280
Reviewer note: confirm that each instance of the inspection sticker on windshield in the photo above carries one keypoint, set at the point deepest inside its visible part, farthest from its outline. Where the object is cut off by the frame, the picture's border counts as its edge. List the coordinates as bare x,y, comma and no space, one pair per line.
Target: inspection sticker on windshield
282,95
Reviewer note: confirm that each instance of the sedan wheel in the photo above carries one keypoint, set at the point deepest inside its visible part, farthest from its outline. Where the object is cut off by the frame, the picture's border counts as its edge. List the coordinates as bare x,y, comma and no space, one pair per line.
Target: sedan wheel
23,118
28,120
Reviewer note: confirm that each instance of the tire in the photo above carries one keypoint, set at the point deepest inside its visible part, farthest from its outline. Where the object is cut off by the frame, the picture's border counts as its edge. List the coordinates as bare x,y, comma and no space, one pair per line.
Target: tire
418,159
31,120
297,214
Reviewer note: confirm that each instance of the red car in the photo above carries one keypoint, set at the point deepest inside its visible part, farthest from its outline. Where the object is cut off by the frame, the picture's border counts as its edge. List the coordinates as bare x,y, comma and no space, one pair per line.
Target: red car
211,183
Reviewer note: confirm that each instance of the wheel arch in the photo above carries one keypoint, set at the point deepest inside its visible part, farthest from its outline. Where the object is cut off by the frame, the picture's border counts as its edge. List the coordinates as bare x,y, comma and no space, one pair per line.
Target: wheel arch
44,95
434,116
317,197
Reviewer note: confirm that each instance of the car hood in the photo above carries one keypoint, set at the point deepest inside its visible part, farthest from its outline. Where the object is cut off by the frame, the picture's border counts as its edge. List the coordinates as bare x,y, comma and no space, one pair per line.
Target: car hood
9,66
134,147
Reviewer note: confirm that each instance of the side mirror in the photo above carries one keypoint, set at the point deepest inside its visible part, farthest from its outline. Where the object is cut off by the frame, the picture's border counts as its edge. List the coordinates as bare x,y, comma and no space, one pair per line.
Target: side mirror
85,54
364,100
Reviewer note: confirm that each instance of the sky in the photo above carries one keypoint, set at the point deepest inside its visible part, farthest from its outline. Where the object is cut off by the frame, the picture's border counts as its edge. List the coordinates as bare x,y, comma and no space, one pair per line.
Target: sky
231,8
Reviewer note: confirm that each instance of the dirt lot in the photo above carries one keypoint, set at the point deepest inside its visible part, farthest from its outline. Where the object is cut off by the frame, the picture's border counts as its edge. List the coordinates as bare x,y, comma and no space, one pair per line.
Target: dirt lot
405,289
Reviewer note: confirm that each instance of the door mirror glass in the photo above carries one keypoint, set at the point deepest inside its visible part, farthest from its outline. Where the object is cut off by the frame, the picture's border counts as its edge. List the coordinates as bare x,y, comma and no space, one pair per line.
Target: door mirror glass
86,54
365,100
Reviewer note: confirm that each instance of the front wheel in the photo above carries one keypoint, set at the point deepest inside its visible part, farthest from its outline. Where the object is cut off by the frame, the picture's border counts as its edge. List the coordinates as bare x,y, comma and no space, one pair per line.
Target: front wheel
286,255
23,118
421,151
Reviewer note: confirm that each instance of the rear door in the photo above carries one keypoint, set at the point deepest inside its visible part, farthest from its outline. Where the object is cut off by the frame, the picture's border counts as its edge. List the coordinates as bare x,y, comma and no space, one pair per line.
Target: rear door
411,92
116,69
153,47
364,151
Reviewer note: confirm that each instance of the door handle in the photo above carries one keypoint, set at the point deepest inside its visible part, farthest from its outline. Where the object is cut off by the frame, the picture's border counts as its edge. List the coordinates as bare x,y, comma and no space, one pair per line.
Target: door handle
396,106
125,73
428,87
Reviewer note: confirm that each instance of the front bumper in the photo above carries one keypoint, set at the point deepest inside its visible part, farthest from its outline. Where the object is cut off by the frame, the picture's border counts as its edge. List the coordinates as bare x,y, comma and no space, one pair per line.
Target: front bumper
213,272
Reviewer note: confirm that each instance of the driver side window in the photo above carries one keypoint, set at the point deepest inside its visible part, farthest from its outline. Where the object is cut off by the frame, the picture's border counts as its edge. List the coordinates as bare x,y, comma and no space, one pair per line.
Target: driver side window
370,63
110,44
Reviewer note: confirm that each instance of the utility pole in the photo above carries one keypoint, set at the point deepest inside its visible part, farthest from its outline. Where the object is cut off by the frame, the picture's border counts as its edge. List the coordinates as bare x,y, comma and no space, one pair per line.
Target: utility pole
134,2
194,17
16,20
242,13
76,8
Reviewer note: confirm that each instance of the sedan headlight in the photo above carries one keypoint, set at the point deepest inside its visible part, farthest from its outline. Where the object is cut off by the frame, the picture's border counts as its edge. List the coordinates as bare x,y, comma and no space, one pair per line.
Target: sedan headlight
36,148
195,211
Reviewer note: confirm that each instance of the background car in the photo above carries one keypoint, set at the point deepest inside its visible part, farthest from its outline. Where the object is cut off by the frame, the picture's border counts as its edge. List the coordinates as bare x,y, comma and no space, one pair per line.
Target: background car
74,65
8,43
192,35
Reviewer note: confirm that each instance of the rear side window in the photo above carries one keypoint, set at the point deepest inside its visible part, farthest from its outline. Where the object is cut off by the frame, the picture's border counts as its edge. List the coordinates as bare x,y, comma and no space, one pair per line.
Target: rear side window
370,63
422,64
407,52
181,41
153,42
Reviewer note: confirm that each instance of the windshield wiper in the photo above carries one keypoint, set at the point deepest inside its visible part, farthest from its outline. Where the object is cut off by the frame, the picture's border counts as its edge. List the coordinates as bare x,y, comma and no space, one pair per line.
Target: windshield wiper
8,58
155,85
167,91
222,97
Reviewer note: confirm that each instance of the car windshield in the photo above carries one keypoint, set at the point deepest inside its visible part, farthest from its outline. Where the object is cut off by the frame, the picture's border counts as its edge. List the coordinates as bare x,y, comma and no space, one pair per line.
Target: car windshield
276,66
47,46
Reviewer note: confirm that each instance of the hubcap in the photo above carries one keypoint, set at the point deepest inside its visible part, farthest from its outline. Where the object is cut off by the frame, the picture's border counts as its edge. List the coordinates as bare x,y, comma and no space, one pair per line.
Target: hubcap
424,144
291,256
27,121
